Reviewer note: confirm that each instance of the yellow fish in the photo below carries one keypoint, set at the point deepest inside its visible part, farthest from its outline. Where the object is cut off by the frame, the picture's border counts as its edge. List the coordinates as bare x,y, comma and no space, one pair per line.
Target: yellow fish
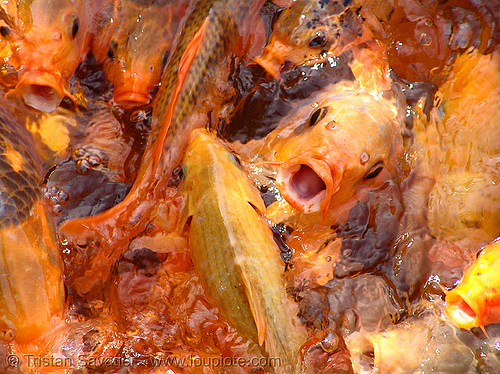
347,141
234,251
475,301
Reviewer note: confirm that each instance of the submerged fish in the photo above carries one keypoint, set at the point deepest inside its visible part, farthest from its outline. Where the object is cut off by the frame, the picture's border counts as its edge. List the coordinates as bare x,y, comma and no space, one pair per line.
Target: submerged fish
462,151
203,43
307,32
49,39
346,142
134,43
31,289
476,299
423,344
234,251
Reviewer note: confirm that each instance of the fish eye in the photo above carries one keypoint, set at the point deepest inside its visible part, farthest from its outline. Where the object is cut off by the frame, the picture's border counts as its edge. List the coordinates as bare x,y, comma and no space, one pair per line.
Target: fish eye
318,40
111,50
75,27
235,159
318,115
375,170
5,31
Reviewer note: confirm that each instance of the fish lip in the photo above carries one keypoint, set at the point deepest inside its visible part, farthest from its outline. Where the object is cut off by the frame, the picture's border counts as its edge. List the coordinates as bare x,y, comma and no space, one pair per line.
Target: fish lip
41,90
459,305
287,186
131,99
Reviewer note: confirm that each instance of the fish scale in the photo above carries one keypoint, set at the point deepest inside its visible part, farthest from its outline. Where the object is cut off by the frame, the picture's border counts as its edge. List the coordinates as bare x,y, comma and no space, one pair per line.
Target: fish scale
31,289
18,187
207,33
199,12
210,52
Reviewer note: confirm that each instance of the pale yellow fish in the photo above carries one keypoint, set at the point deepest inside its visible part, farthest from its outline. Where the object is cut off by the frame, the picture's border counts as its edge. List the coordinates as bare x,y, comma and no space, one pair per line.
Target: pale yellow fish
234,251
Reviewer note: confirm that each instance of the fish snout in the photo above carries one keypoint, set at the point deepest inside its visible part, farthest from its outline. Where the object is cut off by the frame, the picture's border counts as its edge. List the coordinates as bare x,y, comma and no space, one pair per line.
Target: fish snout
41,90
466,305
130,92
308,183
130,99
272,58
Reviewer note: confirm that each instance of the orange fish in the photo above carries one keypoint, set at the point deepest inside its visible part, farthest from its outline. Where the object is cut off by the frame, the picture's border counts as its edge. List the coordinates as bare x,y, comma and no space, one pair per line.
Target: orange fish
31,288
346,142
48,40
204,43
475,302
134,43
307,32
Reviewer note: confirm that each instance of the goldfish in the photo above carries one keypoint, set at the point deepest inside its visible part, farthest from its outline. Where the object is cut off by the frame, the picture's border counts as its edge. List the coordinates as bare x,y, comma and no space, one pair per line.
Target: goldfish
134,48
307,32
31,288
48,40
475,301
422,343
422,38
348,140
326,352
415,36
455,147
234,251
202,44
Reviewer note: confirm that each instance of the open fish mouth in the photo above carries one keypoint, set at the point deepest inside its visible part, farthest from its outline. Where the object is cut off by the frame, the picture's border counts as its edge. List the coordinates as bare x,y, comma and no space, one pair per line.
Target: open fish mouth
462,313
465,311
41,90
307,184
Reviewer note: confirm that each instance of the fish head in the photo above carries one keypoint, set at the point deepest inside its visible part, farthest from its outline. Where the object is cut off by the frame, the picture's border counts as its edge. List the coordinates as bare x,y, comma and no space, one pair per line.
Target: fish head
475,301
53,38
304,34
137,54
419,50
347,142
195,178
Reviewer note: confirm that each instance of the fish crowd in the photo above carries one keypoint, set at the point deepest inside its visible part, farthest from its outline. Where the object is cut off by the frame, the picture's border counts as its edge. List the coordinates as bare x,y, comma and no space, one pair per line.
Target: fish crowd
249,186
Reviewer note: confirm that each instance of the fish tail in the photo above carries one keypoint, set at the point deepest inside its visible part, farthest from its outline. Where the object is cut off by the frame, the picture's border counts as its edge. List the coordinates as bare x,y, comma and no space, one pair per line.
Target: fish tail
184,65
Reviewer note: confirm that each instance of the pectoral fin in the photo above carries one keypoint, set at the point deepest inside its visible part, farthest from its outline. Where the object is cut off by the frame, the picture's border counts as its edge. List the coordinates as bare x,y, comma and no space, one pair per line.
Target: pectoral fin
256,307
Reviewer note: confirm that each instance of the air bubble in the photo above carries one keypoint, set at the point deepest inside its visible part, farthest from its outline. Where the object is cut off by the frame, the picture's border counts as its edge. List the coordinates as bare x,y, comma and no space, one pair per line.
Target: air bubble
425,39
